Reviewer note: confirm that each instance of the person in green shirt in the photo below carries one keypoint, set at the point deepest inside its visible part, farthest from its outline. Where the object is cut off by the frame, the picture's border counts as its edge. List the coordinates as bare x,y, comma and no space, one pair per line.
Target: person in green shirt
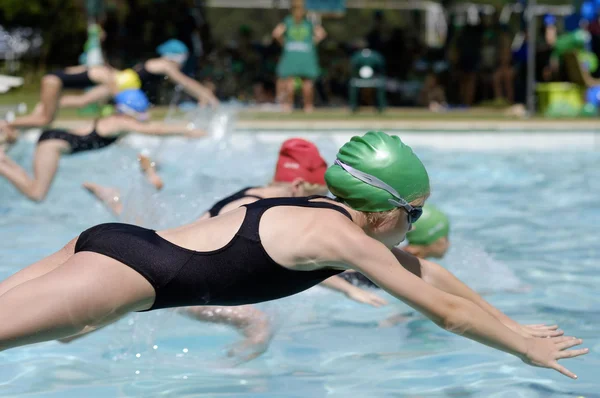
299,59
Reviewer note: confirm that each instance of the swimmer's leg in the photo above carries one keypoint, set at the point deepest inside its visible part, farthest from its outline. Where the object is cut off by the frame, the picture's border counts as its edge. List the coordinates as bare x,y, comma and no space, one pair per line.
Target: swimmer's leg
111,197
97,94
45,111
45,164
39,268
104,75
149,169
251,322
88,290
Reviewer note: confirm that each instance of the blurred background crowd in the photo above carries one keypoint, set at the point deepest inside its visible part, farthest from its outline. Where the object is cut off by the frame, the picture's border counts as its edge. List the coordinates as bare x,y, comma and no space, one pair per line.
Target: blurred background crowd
441,55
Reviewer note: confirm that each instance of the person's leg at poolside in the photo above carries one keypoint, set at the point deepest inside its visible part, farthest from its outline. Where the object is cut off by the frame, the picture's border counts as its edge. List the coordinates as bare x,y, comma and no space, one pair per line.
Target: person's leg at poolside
45,164
509,84
308,95
285,93
89,290
497,83
470,87
279,90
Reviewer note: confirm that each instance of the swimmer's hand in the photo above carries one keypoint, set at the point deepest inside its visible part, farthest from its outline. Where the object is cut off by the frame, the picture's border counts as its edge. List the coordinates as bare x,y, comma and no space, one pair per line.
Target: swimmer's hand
365,297
212,102
353,292
545,353
209,100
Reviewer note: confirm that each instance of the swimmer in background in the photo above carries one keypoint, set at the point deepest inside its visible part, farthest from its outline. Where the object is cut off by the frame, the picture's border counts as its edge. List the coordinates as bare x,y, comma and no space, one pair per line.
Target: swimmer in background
131,116
300,171
264,251
107,83
428,238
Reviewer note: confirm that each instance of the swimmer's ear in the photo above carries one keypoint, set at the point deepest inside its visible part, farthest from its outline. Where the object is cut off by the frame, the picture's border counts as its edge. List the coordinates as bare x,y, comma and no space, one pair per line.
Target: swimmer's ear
298,187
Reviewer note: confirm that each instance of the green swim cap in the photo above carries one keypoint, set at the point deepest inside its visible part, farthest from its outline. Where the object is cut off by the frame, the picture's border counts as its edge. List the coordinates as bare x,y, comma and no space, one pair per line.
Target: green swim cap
387,159
432,225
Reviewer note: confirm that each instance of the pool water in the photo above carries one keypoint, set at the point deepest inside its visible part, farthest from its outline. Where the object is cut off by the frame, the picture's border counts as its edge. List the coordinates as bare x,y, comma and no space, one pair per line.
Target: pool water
524,231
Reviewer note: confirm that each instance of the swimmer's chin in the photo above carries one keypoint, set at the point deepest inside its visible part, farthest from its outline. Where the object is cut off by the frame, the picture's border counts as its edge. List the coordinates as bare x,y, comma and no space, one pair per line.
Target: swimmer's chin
393,245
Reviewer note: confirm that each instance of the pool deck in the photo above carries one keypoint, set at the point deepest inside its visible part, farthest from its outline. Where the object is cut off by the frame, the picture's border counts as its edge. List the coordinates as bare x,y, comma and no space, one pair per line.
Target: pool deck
473,130
415,125
411,124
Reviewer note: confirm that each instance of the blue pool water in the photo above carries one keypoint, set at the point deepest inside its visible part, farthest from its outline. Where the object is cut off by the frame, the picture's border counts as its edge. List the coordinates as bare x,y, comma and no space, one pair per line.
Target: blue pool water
524,230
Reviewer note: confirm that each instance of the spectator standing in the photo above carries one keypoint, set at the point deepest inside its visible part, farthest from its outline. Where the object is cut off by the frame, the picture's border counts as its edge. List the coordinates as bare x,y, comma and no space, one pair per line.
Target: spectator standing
299,38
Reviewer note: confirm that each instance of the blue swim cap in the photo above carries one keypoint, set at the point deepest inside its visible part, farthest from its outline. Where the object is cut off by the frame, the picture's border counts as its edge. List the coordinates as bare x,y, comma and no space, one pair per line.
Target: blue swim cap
133,103
172,47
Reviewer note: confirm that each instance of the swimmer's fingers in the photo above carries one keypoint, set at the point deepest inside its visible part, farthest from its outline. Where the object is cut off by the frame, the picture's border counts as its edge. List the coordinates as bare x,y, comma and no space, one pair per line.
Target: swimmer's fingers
362,296
568,343
380,301
543,330
562,343
559,368
573,353
543,326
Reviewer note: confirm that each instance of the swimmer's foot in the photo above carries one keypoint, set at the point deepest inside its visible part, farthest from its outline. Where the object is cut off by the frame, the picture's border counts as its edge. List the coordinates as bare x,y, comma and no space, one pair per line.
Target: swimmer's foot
109,196
149,169
258,337
8,134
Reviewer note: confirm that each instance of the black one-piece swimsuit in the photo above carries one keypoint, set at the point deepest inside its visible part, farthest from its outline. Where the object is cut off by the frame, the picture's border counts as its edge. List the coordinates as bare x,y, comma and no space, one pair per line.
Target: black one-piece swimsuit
239,273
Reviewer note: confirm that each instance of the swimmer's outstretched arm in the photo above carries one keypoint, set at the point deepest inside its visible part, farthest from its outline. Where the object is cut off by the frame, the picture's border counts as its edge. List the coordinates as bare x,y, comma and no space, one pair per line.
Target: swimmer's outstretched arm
190,86
452,313
158,128
441,278
353,292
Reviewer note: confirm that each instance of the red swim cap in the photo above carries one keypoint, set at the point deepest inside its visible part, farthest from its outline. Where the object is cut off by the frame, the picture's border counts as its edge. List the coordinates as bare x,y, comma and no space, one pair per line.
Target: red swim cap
299,158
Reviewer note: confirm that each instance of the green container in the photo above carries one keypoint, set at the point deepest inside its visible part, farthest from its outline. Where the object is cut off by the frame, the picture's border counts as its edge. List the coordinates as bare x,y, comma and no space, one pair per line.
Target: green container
560,99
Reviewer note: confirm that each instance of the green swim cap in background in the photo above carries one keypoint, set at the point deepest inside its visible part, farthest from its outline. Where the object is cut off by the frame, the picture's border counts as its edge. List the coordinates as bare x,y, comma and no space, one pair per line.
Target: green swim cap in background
432,225
384,157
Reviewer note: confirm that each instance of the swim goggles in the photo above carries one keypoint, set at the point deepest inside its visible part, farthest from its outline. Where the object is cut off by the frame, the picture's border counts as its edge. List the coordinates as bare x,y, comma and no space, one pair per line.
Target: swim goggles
414,213
127,110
